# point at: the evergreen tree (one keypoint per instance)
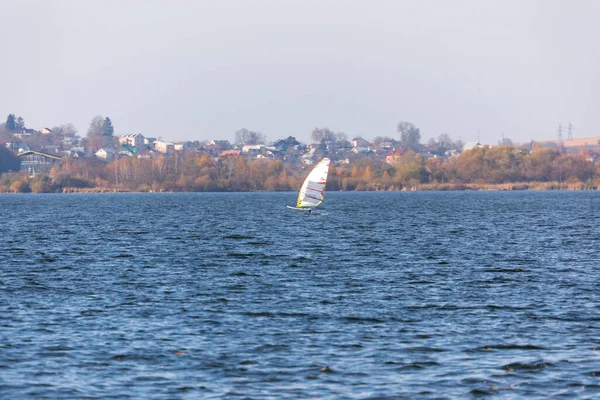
(20, 124)
(108, 127)
(11, 123)
(8, 160)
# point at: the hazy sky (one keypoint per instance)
(188, 70)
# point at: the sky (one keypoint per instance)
(201, 70)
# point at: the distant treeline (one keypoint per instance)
(486, 167)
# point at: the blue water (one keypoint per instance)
(381, 295)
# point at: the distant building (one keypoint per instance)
(179, 146)
(471, 145)
(224, 144)
(35, 162)
(23, 147)
(77, 152)
(393, 155)
(132, 140)
(253, 148)
(22, 135)
(360, 142)
(45, 131)
(105, 154)
(164, 147)
(360, 150)
(230, 153)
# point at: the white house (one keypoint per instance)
(471, 145)
(105, 154)
(132, 140)
(252, 148)
(164, 147)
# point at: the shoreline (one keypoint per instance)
(426, 187)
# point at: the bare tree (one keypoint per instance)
(66, 130)
(410, 136)
(380, 139)
(96, 127)
(323, 134)
(246, 136)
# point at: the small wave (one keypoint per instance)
(527, 367)
(362, 320)
(90, 312)
(238, 237)
(418, 365)
(505, 347)
(275, 314)
(424, 349)
(241, 255)
(124, 256)
(501, 270)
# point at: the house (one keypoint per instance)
(164, 147)
(53, 148)
(471, 145)
(45, 131)
(35, 162)
(224, 144)
(179, 146)
(106, 154)
(22, 135)
(388, 144)
(126, 153)
(253, 148)
(284, 144)
(132, 140)
(360, 150)
(360, 142)
(230, 153)
(23, 147)
(77, 152)
(392, 157)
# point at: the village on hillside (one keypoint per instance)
(43, 151)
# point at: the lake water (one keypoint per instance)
(381, 295)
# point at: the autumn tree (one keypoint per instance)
(410, 169)
(539, 164)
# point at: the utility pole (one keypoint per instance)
(560, 131)
(560, 152)
(560, 146)
(571, 129)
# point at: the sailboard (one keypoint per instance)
(312, 190)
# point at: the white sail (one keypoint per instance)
(313, 189)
